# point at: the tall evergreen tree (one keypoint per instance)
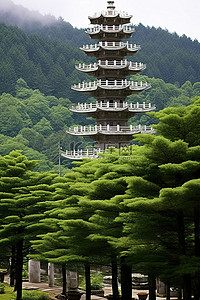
(23, 195)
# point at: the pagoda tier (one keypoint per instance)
(116, 130)
(112, 106)
(104, 50)
(79, 154)
(111, 68)
(107, 17)
(111, 111)
(114, 88)
(110, 32)
(107, 112)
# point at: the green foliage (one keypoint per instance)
(30, 118)
(8, 294)
(180, 123)
(33, 295)
(2, 288)
(96, 281)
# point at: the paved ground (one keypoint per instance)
(55, 290)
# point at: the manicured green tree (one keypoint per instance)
(67, 231)
(23, 196)
(180, 122)
(71, 216)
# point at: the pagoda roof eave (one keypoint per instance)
(130, 49)
(90, 49)
(136, 89)
(99, 109)
(107, 15)
(111, 130)
(124, 34)
(88, 70)
(98, 133)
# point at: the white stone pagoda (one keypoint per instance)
(111, 110)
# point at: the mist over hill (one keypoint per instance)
(13, 14)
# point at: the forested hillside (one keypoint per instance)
(168, 56)
(44, 63)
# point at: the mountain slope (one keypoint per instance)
(44, 63)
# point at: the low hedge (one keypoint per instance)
(33, 295)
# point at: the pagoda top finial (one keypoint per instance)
(111, 5)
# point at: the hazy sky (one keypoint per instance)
(180, 16)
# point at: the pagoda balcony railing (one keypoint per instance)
(110, 85)
(112, 106)
(109, 130)
(110, 29)
(80, 154)
(111, 46)
(111, 64)
(111, 13)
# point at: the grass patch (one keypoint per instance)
(33, 295)
(8, 292)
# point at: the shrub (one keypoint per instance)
(2, 288)
(33, 295)
(96, 281)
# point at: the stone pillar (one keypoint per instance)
(161, 288)
(72, 281)
(51, 274)
(34, 271)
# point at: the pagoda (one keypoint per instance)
(111, 110)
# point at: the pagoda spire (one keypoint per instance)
(111, 5)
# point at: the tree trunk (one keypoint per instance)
(196, 281)
(19, 267)
(179, 293)
(152, 287)
(126, 280)
(181, 232)
(87, 281)
(196, 286)
(196, 232)
(12, 267)
(187, 290)
(64, 280)
(168, 290)
(115, 280)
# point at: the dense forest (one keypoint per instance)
(37, 68)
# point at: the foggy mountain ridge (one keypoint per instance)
(17, 15)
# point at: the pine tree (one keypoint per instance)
(23, 195)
